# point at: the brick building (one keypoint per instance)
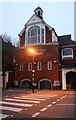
(53, 58)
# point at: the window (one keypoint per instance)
(30, 67)
(49, 65)
(39, 67)
(21, 67)
(34, 35)
(67, 52)
(42, 37)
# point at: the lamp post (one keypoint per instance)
(33, 71)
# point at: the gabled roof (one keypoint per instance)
(38, 8)
(39, 20)
(66, 40)
(34, 15)
(20, 34)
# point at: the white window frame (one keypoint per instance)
(67, 56)
(29, 66)
(30, 37)
(49, 63)
(39, 66)
(21, 67)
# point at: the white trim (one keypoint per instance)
(29, 66)
(49, 63)
(39, 66)
(21, 67)
(64, 72)
(42, 26)
(67, 56)
(54, 37)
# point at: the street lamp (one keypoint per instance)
(32, 51)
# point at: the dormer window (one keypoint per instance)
(34, 35)
(67, 53)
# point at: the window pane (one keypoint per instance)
(29, 66)
(43, 31)
(34, 35)
(21, 67)
(38, 39)
(42, 39)
(39, 66)
(49, 65)
(67, 52)
(38, 31)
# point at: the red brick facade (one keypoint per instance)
(48, 65)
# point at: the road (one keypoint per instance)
(46, 104)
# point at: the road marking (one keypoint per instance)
(16, 100)
(6, 96)
(10, 108)
(65, 104)
(53, 96)
(36, 114)
(53, 102)
(16, 104)
(41, 99)
(49, 105)
(3, 115)
(58, 100)
(43, 109)
(61, 98)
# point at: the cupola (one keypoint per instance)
(39, 12)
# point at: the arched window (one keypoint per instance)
(67, 53)
(34, 35)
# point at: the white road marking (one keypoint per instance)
(58, 100)
(65, 104)
(61, 98)
(43, 109)
(53, 102)
(6, 96)
(10, 108)
(16, 100)
(36, 114)
(53, 96)
(49, 105)
(41, 99)
(16, 104)
(3, 115)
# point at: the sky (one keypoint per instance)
(14, 15)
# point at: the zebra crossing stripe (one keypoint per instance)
(41, 99)
(10, 108)
(3, 115)
(16, 104)
(16, 100)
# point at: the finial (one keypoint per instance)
(38, 4)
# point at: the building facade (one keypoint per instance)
(44, 68)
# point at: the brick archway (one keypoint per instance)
(26, 84)
(45, 84)
(71, 80)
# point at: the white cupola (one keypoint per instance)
(39, 12)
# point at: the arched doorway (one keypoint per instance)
(26, 84)
(45, 84)
(71, 80)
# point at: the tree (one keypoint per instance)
(8, 53)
